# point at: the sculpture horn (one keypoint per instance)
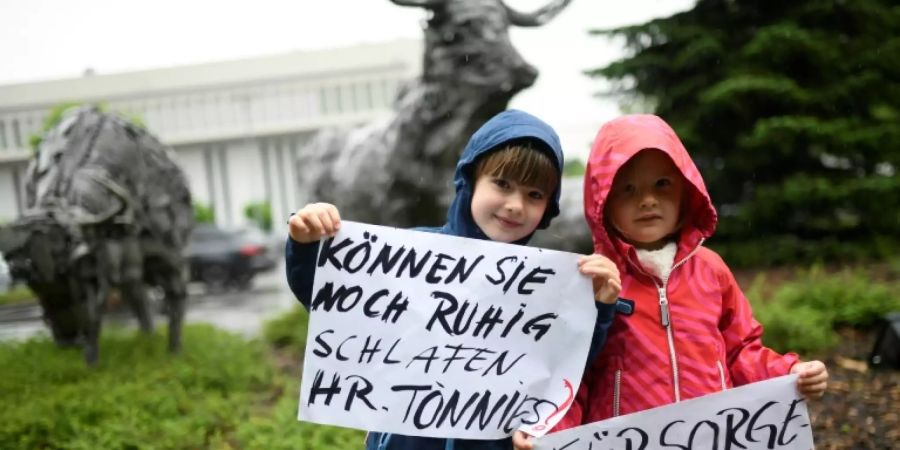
(419, 3)
(536, 18)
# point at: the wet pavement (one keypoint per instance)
(242, 312)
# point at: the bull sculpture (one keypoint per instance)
(399, 172)
(107, 209)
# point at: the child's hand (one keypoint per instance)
(314, 221)
(813, 378)
(522, 441)
(605, 275)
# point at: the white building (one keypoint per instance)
(236, 126)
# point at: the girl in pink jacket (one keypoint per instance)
(688, 329)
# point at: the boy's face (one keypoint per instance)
(644, 203)
(505, 210)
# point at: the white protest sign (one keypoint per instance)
(765, 415)
(433, 335)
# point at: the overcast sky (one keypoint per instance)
(49, 39)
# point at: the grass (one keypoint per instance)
(16, 295)
(221, 392)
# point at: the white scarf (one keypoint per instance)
(659, 262)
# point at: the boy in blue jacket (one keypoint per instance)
(507, 186)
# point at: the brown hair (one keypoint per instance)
(523, 162)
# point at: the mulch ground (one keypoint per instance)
(861, 409)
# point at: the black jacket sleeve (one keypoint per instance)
(605, 315)
(300, 265)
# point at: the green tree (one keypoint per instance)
(791, 111)
(259, 213)
(573, 167)
(54, 115)
(204, 213)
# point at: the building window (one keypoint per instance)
(186, 114)
(218, 111)
(172, 114)
(377, 94)
(150, 117)
(390, 90)
(351, 95)
(323, 101)
(338, 99)
(17, 133)
(305, 103)
(367, 95)
(3, 142)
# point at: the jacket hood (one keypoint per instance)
(618, 141)
(504, 127)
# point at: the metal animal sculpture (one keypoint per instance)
(107, 209)
(399, 172)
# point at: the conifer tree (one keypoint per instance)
(791, 109)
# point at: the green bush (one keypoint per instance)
(259, 213)
(791, 328)
(573, 167)
(801, 315)
(54, 116)
(204, 213)
(56, 112)
(279, 428)
(288, 331)
(788, 250)
(850, 297)
(893, 266)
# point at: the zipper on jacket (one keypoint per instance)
(617, 392)
(721, 374)
(671, 341)
(663, 307)
(665, 317)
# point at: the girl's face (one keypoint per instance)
(644, 203)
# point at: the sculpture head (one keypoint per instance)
(37, 247)
(468, 41)
(38, 250)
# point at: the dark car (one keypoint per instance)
(223, 259)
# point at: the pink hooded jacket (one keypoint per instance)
(710, 341)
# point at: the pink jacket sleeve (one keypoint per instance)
(748, 360)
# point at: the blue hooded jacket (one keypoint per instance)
(507, 126)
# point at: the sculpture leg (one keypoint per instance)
(176, 299)
(136, 296)
(166, 269)
(64, 327)
(94, 279)
(60, 312)
(92, 305)
(133, 289)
